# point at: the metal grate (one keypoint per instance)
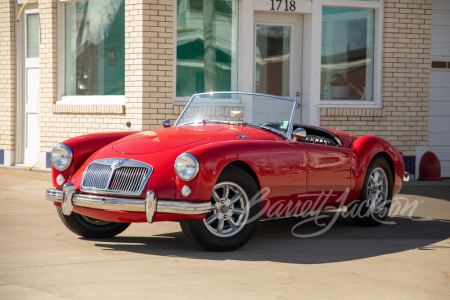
(97, 176)
(128, 179)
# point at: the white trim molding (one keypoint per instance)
(22, 2)
(87, 109)
(90, 100)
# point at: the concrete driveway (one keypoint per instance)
(41, 259)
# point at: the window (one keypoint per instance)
(207, 34)
(347, 63)
(272, 73)
(32, 35)
(94, 48)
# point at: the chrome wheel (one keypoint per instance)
(373, 204)
(229, 209)
(377, 190)
(232, 221)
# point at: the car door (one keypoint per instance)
(281, 169)
(329, 173)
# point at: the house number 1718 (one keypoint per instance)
(286, 5)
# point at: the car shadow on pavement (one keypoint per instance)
(275, 241)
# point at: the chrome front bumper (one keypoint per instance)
(150, 205)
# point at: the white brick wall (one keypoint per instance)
(149, 42)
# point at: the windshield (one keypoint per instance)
(252, 109)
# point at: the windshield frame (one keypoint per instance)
(287, 136)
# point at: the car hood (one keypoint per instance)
(180, 136)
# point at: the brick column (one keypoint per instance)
(149, 59)
(406, 71)
(7, 82)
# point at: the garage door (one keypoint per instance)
(439, 120)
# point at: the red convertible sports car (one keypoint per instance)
(230, 160)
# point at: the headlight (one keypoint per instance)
(186, 166)
(61, 157)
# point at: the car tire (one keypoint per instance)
(89, 227)
(234, 216)
(375, 199)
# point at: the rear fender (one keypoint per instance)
(366, 148)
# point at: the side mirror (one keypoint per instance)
(166, 123)
(299, 133)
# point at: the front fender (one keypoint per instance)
(279, 165)
(83, 147)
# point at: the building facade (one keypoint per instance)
(77, 67)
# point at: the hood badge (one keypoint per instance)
(117, 163)
(243, 137)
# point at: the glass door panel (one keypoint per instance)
(273, 60)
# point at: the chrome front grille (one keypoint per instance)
(97, 176)
(128, 179)
(116, 176)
